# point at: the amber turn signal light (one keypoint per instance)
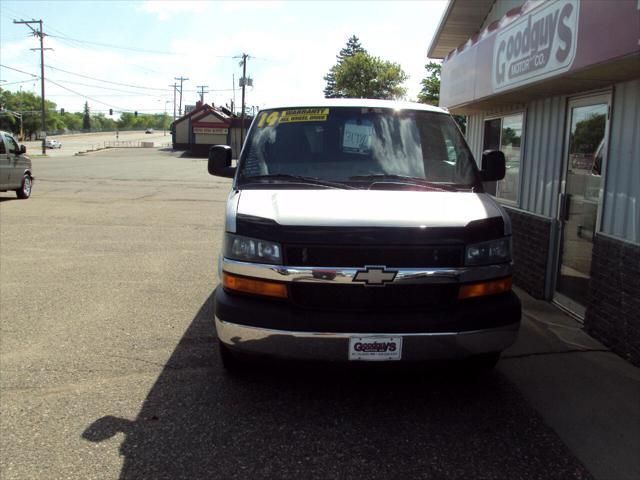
(254, 286)
(484, 288)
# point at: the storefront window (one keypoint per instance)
(505, 134)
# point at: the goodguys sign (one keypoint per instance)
(538, 45)
(545, 41)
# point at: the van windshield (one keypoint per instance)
(357, 147)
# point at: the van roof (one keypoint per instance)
(358, 102)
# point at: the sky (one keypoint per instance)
(142, 46)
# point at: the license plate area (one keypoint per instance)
(375, 348)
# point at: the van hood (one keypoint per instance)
(368, 208)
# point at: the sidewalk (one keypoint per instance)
(588, 395)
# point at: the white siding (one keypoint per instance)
(475, 136)
(621, 213)
(541, 167)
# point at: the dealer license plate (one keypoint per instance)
(375, 348)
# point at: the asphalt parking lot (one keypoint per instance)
(109, 365)
(86, 141)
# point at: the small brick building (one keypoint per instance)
(205, 126)
(555, 85)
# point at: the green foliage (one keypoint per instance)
(86, 118)
(30, 106)
(588, 134)
(353, 46)
(364, 76)
(430, 92)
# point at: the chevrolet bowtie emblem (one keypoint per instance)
(375, 276)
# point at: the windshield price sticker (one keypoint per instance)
(357, 138)
(292, 116)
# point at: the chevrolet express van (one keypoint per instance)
(359, 230)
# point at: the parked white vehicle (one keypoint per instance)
(50, 143)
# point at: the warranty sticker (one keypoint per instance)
(292, 116)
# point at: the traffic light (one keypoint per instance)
(135, 114)
(111, 111)
(62, 111)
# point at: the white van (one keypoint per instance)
(359, 230)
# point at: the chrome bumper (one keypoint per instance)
(334, 346)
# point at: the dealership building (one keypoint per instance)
(555, 85)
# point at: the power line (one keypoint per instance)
(101, 87)
(107, 81)
(120, 47)
(20, 71)
(86, 96)
(15, 83)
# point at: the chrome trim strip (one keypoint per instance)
(345, 275)
(333, 346)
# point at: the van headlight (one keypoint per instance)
(494, 251)
(247, 249)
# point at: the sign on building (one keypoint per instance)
(538, 45)
(211, 131)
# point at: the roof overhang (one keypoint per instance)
(461, 20)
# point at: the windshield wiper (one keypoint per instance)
(299, 179)
(406, 180)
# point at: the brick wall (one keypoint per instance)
(613, 313)
(531, 235)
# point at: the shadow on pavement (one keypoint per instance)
(301, 421)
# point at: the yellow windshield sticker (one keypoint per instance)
(304, 115)
(291, 116)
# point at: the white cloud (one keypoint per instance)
(164, 10)
(291, 52)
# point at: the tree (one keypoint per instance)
(353, 46)
(430, 92)
(86, 119)
(364, 76)
(29, 105)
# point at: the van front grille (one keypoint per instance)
(361, 255)
(358, 297)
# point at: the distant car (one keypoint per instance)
(52, 144)
(15, 167)
(149, 130)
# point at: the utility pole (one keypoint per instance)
(182, 79)
(243, 84)
(202, 92)
(39, 33)
(174, 100)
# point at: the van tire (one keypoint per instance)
(24, 191)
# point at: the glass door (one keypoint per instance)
(580, 199)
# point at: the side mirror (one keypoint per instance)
(23, 149)
(220, 161)
(493, 166)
